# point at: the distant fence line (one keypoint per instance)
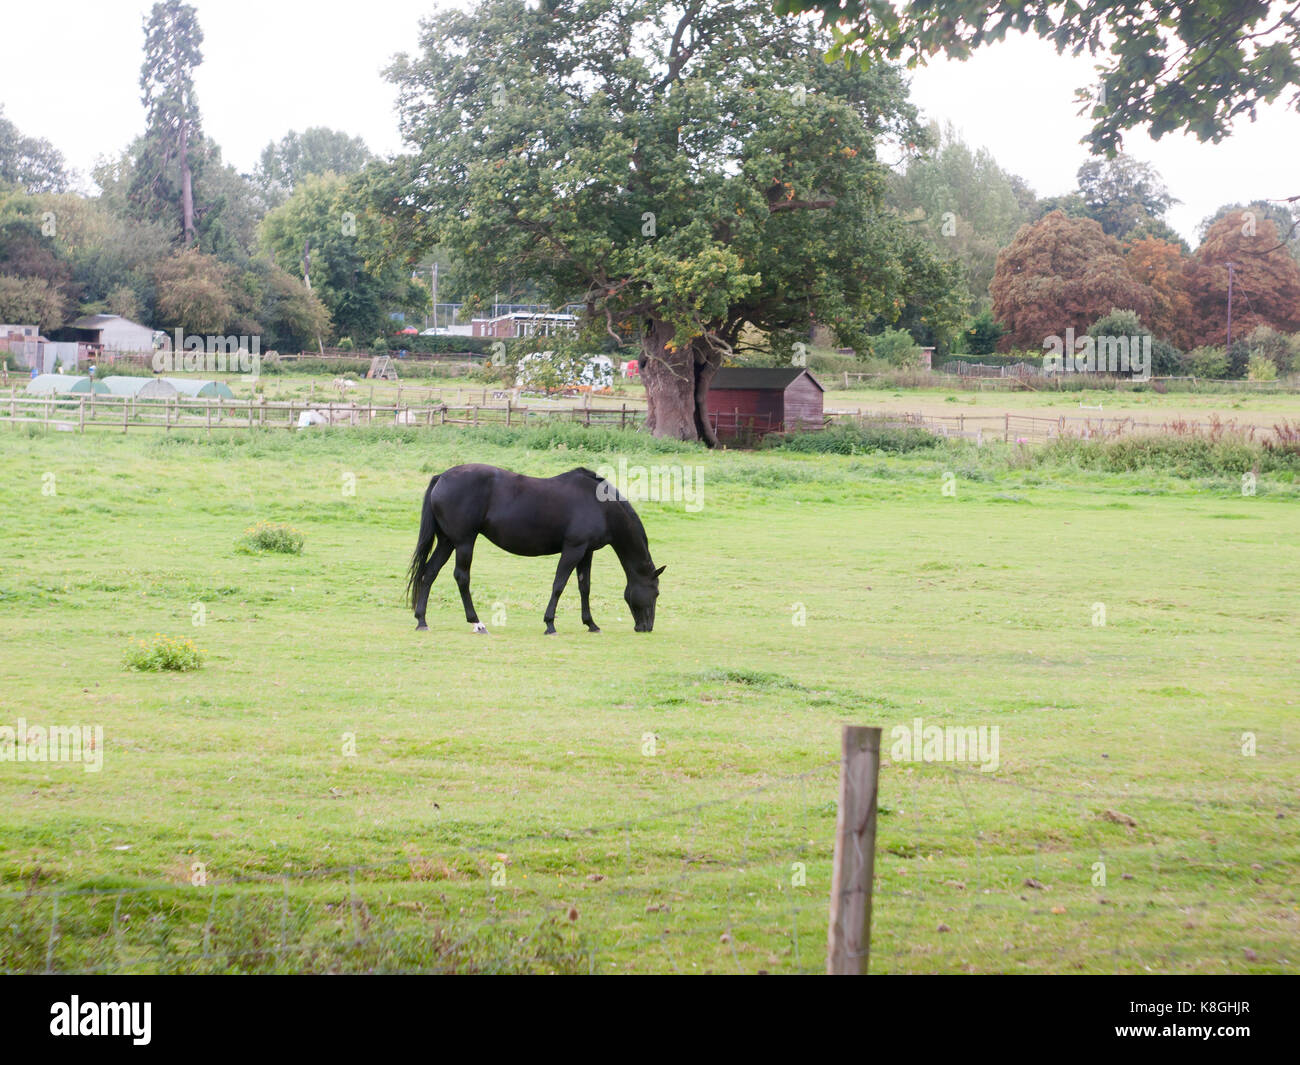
(77, 413)
(1027, 428)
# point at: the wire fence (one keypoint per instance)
(1032, 429)
(77, 413)
(974, 872)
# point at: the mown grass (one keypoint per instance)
(333, 792)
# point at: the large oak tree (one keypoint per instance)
(686, 169)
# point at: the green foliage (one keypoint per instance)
(896, 347)
(1181, 454)
(268, 537)
(328, 221)
(311, 153)
(1207, 361)
(32, 301)
(852, 438)
(1183, 66)
(967, 206)
(170, 156)
(1118, 323)
(982, 333)
(1279, 348)
(164, 654)
(1123, 193)
(31, 163)
(690, 193)
(1261, 369)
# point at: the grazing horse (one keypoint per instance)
(572, 515)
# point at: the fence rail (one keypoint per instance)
(1027, 429)
(68, 413)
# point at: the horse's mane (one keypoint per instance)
(634, 519)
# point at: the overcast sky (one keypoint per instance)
(71, 71)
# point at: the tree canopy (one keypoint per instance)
(1192, 65)
(31, 163)
(315, 151)
(686, 170)
(1063, 273)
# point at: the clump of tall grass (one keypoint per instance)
(268, 537)
(856, 438)
(1181, 449)
(164, 654)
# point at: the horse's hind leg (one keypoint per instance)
(584, 590)
(441, 552)
(464, 556)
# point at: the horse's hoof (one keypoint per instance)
(421, 627)
(479, 629)
(593, 628)
(550, 630)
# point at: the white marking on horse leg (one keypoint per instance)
(479, 628)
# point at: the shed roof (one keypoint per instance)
(759, 378)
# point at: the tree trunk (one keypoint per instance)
(707, 362)
(187, 186)
(669, 377)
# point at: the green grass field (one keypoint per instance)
(629, 802)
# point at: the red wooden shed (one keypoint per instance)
(753, 401)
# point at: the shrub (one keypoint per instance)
(851, 438)
(982, 334)
(1281, 350)
(896, 347)
(1166, 360)
(271, 538)
(1207, 361)
(1118, 323)
(346, 344)
(1260, 368)
(163, 653)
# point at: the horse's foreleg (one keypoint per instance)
(441, 552)
(464, 556)
(568, 560)
(584, 589)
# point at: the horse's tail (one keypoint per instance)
(424, 545)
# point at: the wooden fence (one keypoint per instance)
(1033, 429)
(123, 413)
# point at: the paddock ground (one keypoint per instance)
(629, 802)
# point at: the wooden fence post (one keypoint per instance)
(1006, 427)
(848, 944)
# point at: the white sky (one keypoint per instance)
(71, 70)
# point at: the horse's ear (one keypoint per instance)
(659, 571)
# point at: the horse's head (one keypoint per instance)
(640, 595)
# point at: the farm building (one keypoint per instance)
(48, 384)
(141, 387)
(100, 333)
(197, 389)
(755, 401)
(524, 324)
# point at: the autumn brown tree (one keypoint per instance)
(1062, 273)
(1265, 279)
(1162, 266)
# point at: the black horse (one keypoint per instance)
(572, 515)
